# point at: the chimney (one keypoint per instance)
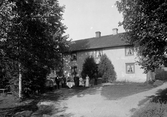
(115, 31)
(98, 34)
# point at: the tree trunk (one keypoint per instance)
(150, 76)
(20, 82)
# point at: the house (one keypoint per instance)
(122, 55)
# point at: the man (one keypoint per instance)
(57, 82)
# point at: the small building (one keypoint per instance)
(122, 54)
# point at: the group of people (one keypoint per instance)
(70, 82)
(60, 82)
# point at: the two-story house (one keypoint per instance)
(122, 55)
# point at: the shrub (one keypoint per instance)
(106, 69)
(152, 110)
(162, 75)
(89, 68)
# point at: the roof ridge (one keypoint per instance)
(98, 42)
(98, 37)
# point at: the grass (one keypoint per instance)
(157, 107)
(9, 105)
(119, 90)
(152, 109)
(7, 101)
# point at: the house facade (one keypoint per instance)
(122, 55)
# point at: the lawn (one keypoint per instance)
(9, 105)
(157, 106)
(6, 103)
(119, 90)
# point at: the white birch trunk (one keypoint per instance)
(20, 82)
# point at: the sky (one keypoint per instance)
(85, 17)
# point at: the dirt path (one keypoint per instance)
(96, 105)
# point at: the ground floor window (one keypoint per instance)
(130, 68)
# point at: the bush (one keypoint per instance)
(152, 110)
(106, 70)
(162, 75)
(89, 68)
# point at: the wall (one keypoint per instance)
(118, 59)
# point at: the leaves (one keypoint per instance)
(146, 26)
(32, 34)
(89, 68)
(106, 69)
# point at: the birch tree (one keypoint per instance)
(32, 35)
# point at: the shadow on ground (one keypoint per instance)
(30, 106)
(66, 93)
(120, 90)
(160, 96)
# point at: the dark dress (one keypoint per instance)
(57, 82)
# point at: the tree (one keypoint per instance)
(146, 24)
(106, 69)
(89, 68)
(32, 37)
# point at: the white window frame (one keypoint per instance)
(132, 66)
(127, 49)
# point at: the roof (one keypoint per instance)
(99, 42)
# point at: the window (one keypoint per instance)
(100, 53)
(97, 53)
(129, 51)
(73, 57)
(130, 68)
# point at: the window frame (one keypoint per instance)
(74, 57)
(97, 53)
(127, 48)
(126, 68)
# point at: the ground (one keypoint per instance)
(107, 100)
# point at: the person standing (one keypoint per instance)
(81, 82)
(87, 81)
(58, 82)
(63, 81)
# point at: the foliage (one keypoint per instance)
(9, 75)
(161, 75)
(156, 107)
(89, 68)
(106, 69)
(152, 110)
(146, 24)
(31, 34)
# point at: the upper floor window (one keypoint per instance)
(73, 57)
(130, 68)
(97, 53)
(129, 51)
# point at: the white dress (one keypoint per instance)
(87, 81)
(80, 82)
